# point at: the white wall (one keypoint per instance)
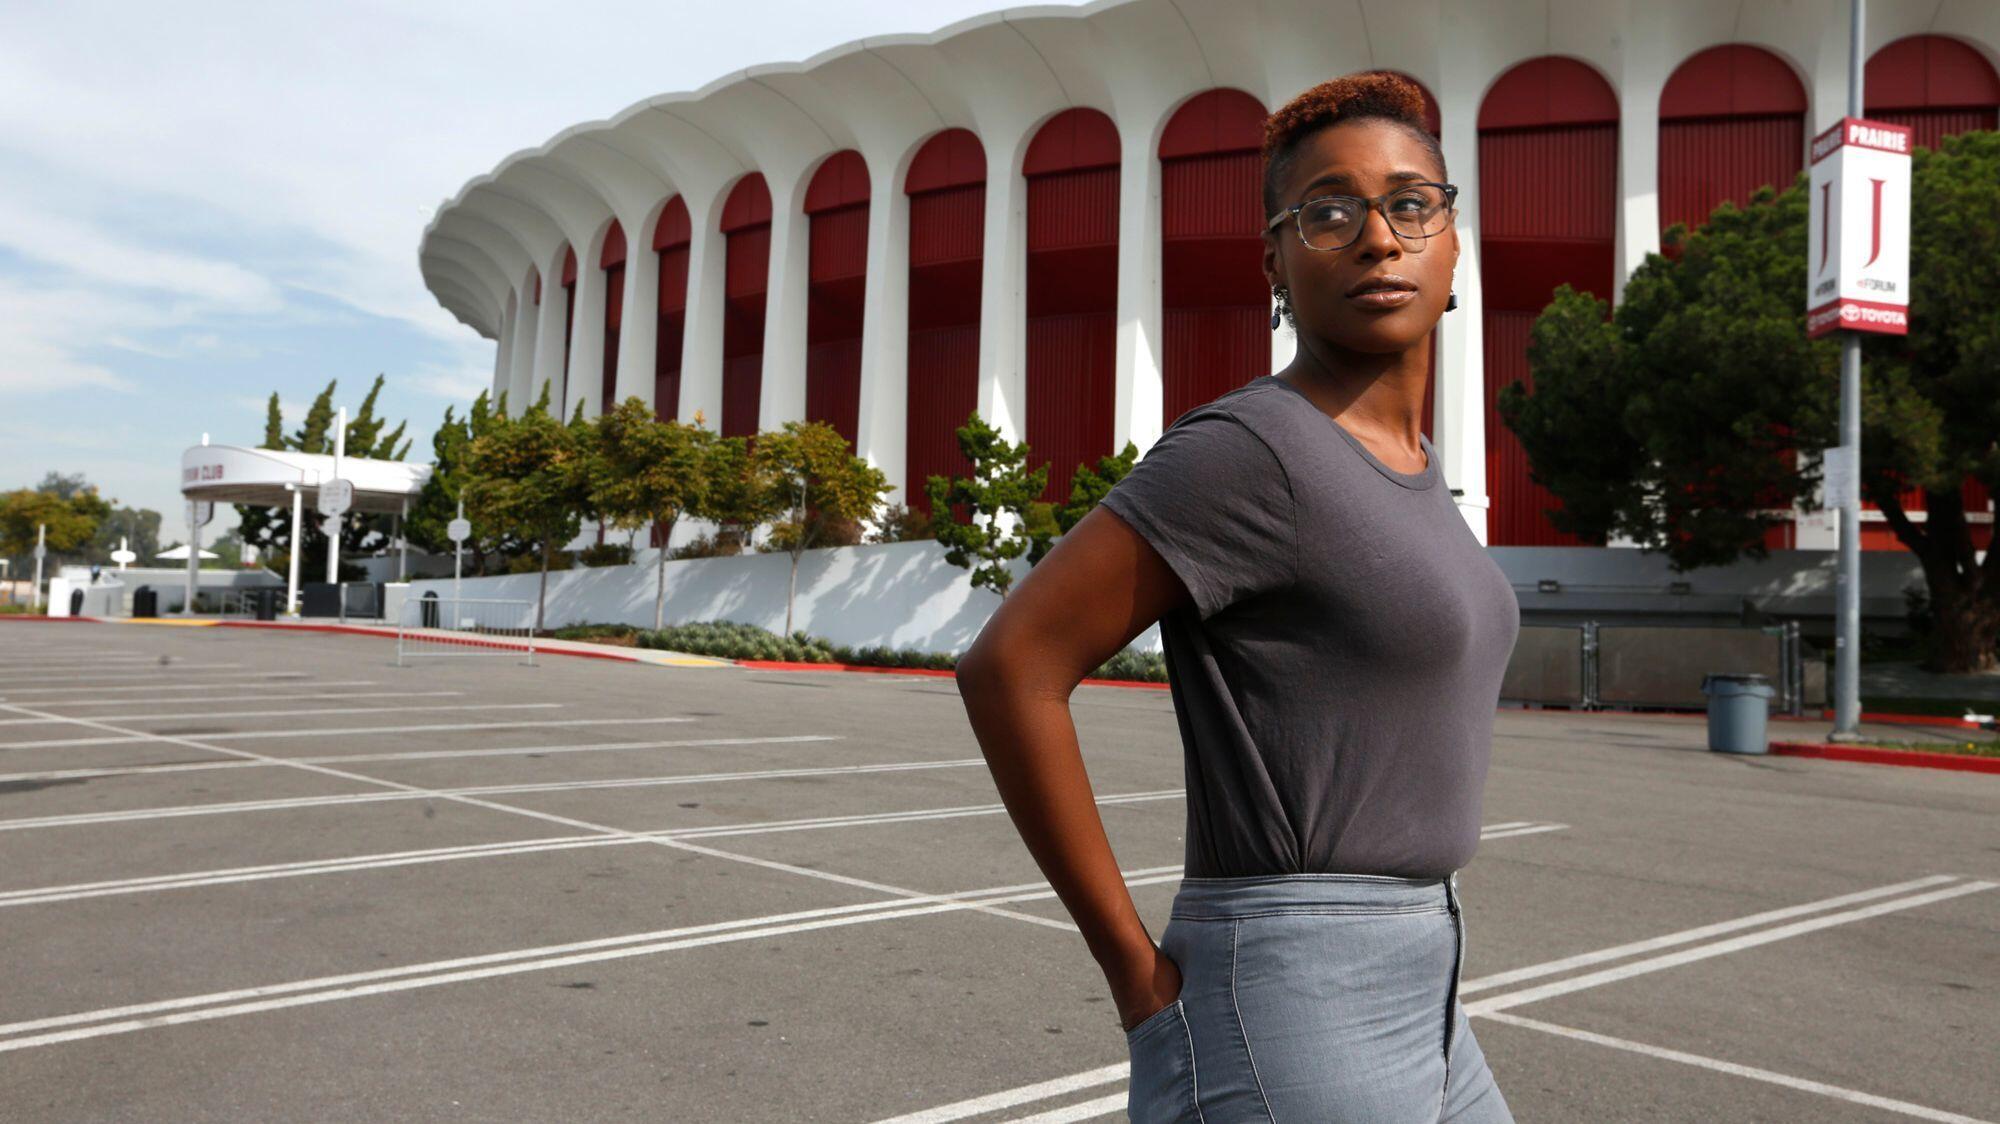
(905, 595)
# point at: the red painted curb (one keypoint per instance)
(43, 618)
(1912, 758)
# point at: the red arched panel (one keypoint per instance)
(746, 224)
(614, 247)
(1936, 85)
(1548, 176)
(1072, 140)
(559, 400)
(837, 264)
(569, 265)
(1732, 119)
(947, 190)
(671, 239)
(1215, 306)
(1214, 121)
(952, 158)
(1072, 293)
(1548, 91)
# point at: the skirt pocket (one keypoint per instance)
(1162, 1089)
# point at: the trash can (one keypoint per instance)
(430, 608)
(1739, 704)
(266, 603)
(75, 602)
(145, 602)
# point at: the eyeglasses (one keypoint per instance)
(1414, 213)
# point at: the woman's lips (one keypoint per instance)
(1383, 299)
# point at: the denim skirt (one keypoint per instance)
(1313, 999)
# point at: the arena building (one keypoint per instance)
(1053, 215)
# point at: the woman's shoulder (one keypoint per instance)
(1259, 406)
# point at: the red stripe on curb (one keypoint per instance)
(1916, 758)
(43, 618)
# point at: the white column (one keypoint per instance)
(701, 338)
(549, 342)
(1003, 297)
(503, 349)
(1638, 162)
(639, 326)
(782, 394)
(586, 342)
(1139, 396)
(297, 544)
(882, 423)
(1460, 395)
(521, 372)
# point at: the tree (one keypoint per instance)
(999, 483)
(72, 522)
(649, 471)
(270, 528)
(529, 477)
(1087, 485)
(437, 505)
(1685, 421)
(741, 494)
(822, 482)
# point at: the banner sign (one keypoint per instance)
(1858, 244)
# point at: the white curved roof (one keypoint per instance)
(267, 477)
(1001, 73)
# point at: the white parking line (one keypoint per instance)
(291, 803)
(1854, 1096)
(142, 1016)
(41, 691)
(1716, 948)
(340, 731)
(407, 755)
(206, 715)
(155, 671)
(1084, 1110)
(1027, 1094)
(46, 894)
(208, 699)
(1699, 932)
(14, 696)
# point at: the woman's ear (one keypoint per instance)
(1274, 263)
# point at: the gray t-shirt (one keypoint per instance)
(1336, 676)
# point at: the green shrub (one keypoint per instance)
(606, 554)
(731, 640)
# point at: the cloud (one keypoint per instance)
(45, 331)
(86, 251)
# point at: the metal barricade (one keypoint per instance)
(431, 625)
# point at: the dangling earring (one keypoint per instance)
(1284, 299)
(1451, 302)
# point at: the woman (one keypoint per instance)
(1335, 636)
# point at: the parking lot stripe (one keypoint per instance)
(154, 671)
(116, 1020)
(340, 731)
(207, 699)
(1803, 1084)
(1699, 932)
(406, 755)
(1717, 948)
(1026, 1094)
(1083, 1110)
(41, 691)
(206, 714)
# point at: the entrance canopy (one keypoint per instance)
(268, 477)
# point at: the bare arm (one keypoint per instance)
(1100, 586)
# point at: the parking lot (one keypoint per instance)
(267, 875)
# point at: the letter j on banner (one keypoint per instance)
(1858, 244)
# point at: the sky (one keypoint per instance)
(203, 203)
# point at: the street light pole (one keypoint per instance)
(1847, 624)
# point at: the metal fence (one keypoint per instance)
(1592, 666)
(431, 625)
